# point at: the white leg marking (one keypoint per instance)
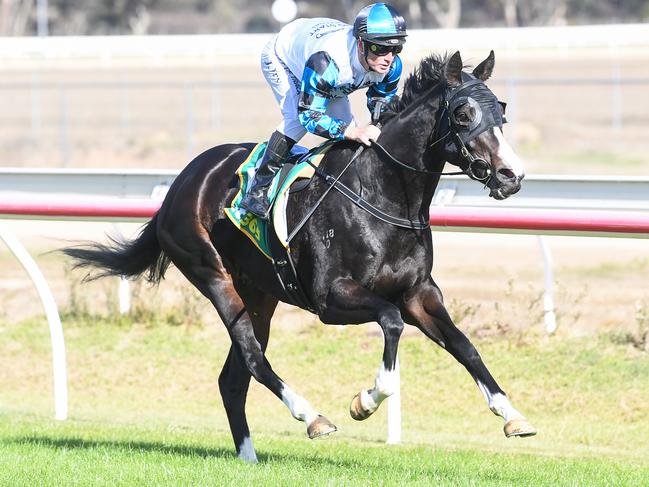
(385, 384)
(299, 407)
(507, 154)
(247, 451)
(499, 404)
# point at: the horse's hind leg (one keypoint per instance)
(423, 307)
(246, 344)
(199, 261)
(235, 377)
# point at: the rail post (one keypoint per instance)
(53, 319)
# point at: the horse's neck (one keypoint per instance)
(407, 138)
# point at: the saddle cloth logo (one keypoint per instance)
(256, 229)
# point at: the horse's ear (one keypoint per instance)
(485, 68)
(454, 70)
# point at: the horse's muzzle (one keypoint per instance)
(503, 185)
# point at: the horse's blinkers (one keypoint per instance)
(489, 113)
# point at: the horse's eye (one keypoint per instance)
(462, 118)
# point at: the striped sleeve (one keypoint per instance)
(387, 88)
(319, 79)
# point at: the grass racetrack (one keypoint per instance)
(145, 409)
(90, 454)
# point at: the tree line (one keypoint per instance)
(82, 17)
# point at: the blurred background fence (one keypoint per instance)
(576, 96)
(55, 114)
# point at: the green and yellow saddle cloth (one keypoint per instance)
(299, 165)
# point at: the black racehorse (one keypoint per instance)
(366, 270)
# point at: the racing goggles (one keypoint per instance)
(381, 50)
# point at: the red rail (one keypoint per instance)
(541, 220)
(633, 224)
(105, 208)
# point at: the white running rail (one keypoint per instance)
(52, 313)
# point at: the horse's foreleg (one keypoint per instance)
(424, 308)
(351, 302)
(367, 401)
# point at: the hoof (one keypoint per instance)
(520, 427)
(356, 409)
(320, 426)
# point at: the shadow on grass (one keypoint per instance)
(141, 446)
(168, 449)
(305, 459)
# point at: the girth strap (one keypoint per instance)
(286, 272)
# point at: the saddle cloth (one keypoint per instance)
(298, 166)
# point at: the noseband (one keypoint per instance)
(470, 164)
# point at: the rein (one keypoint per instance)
(352, 196)
(318, 171)
(471, 162)
(414, 169)
(469, 159)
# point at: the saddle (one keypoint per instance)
(271, 236)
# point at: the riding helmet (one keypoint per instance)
(380, 23)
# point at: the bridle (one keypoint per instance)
(471, 163)
(474, 167)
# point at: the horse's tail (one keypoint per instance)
(126, 258)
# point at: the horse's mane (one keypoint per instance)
(429, 73)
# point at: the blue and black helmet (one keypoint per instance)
(380, 23)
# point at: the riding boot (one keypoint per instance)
(256, 198)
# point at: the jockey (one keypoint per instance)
(312, 65)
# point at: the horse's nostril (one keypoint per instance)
(506, 174)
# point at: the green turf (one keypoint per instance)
(145, 410)
(35, 451)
